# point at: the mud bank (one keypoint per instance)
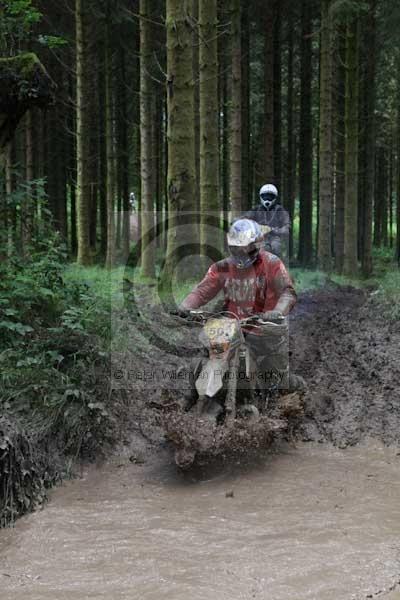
(349, 354)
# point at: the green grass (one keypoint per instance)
(108, 287)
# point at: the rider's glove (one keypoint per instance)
(272, 315)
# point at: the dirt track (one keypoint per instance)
(349, 354)
(347, 351)
(310, 521)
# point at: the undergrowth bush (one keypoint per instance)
(54, 374)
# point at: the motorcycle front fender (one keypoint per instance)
(211, 378)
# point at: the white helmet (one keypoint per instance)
(268, 195)
(244, 240)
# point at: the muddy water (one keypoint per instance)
(311, 523)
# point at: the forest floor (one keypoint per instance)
(348, 350)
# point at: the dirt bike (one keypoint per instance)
(276, 246)
(231, 410)
(230, 361)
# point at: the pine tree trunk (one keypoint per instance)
(383, 188)
(277, 93)
(340, 150)
(398, 163)
(102, 162)
(209, 143)
(224, 109)
(27, 211)
(196, 79)
(391, 158)
(146, 151)
(291, 163)
(379, 166)
(124, 156)
(71, 169)
(9, 181)
(110, 151)
(83, 99)
(325, 142)
(181, 141)
(95, 140)
(246, 129)
(268, 168)
(61, 160)
(306, 139)
(350, 266)
(236, 111)
(158, 139)
(366, 259)
(316, 189)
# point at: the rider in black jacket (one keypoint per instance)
(269, 212)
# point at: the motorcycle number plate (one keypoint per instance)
(211, 378)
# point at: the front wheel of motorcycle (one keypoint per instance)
(231, 393)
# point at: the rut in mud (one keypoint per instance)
(349, 354)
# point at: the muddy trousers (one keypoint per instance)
(271, 351)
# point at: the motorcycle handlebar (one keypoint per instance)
(255, 319)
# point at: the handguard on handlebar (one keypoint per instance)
(259, 320)
(200, 316)
(189, 317)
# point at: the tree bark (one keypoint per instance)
(291, 162)
(277, 93)
(9, 216)
(306, 138)
(146, 151)
(27, 212)
(383, 189)
(196, 79)
(83, 98)
(209, 142)
(398, 162)
(325, 142)
(181, 141)
(340, 150)
(124, 155)
(224, 130)
(366, 259)
(378, 195)
(391, 158)
(268, 168)
(246, 128)
(236, 110)
(350, 266)
(110, 150)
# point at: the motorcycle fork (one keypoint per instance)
(251, 371)
(230, 401)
